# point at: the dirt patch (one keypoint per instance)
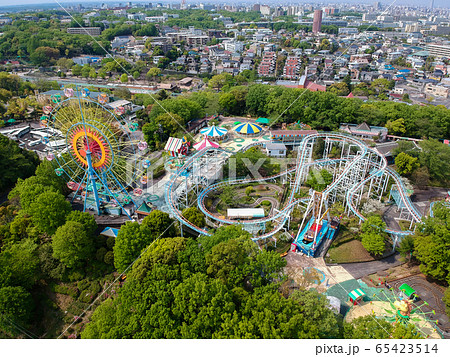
(63, 301)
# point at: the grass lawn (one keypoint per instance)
(404, 225)
(349, 252)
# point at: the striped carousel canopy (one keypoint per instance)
(214, 131)
(205, 143)
(247, 128)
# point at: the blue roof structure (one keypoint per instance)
(214, 131)
(110, 232)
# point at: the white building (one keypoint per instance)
(233, 46)
(276, 149)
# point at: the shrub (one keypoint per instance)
(89, 294)
(109, 258)
(110, 242)
(72, 291)
(100, 255)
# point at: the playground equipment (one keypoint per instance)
(94, 152)
(357, 171)
(405, 310)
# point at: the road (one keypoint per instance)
(134, 88)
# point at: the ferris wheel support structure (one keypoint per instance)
(90, 171)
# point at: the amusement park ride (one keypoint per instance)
(358, 172)
(95, 152)
(104, 165)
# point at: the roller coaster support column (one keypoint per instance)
(386, 182)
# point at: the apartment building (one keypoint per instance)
(291, 68)
(439, 50)
(93, 31)
(267, 65)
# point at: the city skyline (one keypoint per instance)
(418, 3)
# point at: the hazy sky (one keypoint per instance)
(437, 3)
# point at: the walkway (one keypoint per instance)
(358, 270)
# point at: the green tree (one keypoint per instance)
(86, 219)
(65, 63)
(29, 190)
(249, 190)
(16, 306)
(431, 242)
(228, 195)
(124, 78)
(252, 162)
(406, 164)
(435, 156)
(340, 89)
(406, 247)
(159, 129)
(45, 174)
(85, 71)
(72, 245)
(44, 56)
(153, 73)
(319, 180)
(257, 98)
(371, 327)
(16, 163)
(396, 127)
(92, 73)
(195, 216)
(76, 70)
(316, 307)
(227, 102)
(160, 224)
(19, 264)
(220, 80)
(49, 211)
(130, 241)
(229, 261)
(102, 73)
(373, 236)
(447, 301)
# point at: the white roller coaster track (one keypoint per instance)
(377, 167)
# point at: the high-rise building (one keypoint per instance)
(317, 22)
(432, 5)
(264, 9)
(256, 7)
(377, 5)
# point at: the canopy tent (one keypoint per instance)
(174, 146)
(144, 209)
(356, 295)
(407, 290)
(11, 121)
(247, 128)
(263, 121)
(110, 232)
(205, 143)
(214, 131)
(236, 123)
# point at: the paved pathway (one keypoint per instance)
(358, 270)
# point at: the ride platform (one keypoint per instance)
(305, 242)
